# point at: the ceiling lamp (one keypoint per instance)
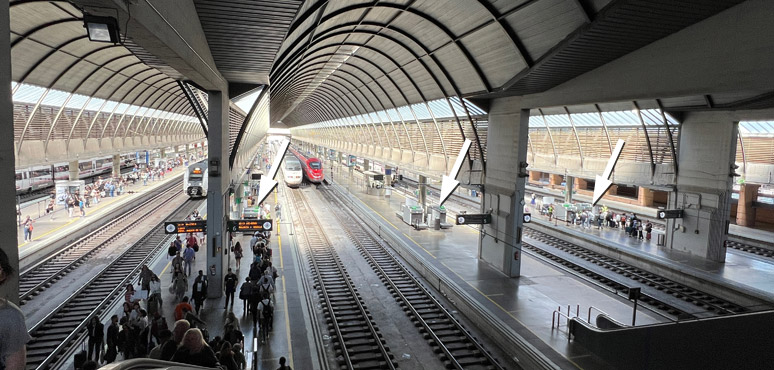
(101, 29)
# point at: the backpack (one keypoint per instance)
(172, 249)
(196, 247)
(267, 310)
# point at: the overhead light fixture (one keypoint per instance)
(101, 29)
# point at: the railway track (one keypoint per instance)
(660, 293)
(456, 346)
(359, 344)
(44, 274)
(55, 334)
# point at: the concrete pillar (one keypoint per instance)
(217, 194)
(500, 244)
(745, 213)
(534, 176)
(707, 151)
(10, 288)
(74, 170)
(645, 197)
(366, 164)
(555, 180)
(568, 188)
(116, 165)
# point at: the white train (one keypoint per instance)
(41, 177)
(292, 172)
(195, 180)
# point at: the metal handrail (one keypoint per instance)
(598, 310)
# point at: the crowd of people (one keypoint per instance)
(142, 329)
(605, 218)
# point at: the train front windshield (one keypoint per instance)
(315, 165)
(293, 166)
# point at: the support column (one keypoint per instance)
(745, 213)
(645, 197)
(613, 190)
(116, 165)
(217, 194)
(568, 188)
(10, 288)
(500, 243)
(74, 170)
(704, 185)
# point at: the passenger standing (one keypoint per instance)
(648, 230)
(96, 333)
(145, 278)
(277, 210)
(180, 286)
(226, 357)
(155, 303)
(230, 282)
(189, 256)
(244, 294)
(199, 293)
(282, 364)
(183, 305)
(112, 340)
(266, 314)
(177, 264)
(195, 351)
(13, 330)
(168, 349)
(28, 229)
(238, 252)
(81, 206)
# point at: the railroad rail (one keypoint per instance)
(55, 334)
(45, 273)
(359, 342)
(684, 302)
(456, 346)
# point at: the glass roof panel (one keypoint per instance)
(29, 94)
(752, 128)
(586, 119)
(421, 111)
(95, 104)
(558, 120)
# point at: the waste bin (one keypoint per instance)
(661, 239)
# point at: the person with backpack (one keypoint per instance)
(230, 282)
(255, 298)
(266, 314)
(199, 293)
(244, 294)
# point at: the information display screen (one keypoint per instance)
(250, 225)
(182, 227)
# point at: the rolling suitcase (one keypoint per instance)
(80, 357)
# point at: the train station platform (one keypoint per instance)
(519, 308)
(58, 225)
(744, 272)
(290, 336)
(759, 235)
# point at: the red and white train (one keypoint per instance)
(312, 167)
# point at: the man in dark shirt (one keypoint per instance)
(230, 282)
(112, 340)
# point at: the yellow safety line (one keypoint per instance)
(284, 291)
(165, 269)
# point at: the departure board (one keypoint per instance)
(182, 227)
(251, 225)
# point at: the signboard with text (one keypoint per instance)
(182, 227)
(250, 225)
(474, 218)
